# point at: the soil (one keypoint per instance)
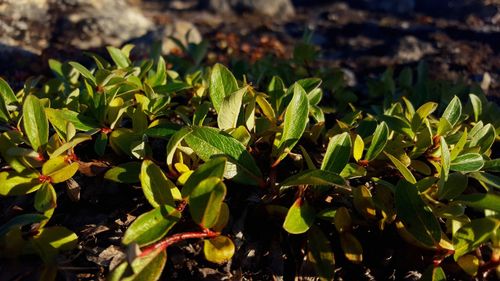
(462, 44)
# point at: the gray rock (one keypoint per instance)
(94, 23)
(412, 49)
(25, 21)
(34, 24)
(183, 31)
(274, 8)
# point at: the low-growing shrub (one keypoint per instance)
(410, 154)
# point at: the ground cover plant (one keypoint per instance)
(323, 164)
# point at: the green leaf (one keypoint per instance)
(492, 165)
(473, 234)
(433, 273)
(35, 122)
(50, 241)
(402, 169)
(147, 268)
(337, 153)
(209, 142)
(358, 148)
(353, 250)
(379, 140)
(469, 264)
(230, 109)
(469, 162)
(416, 215)
(19, 221)
(342, 220)
(157, 188)
(453, 187)
(205, 201)
(59, 170)
(445, 160)
(481, 201)
(477, 106)
(151, 226)
(486, 179)
(117, 55)
(484, 138)
(83, 71)
(319, 252)
(212, 168)
(295, 122)
(45, 198)
(314, 177)
(6, 92)
(124, 173)
(219, 249)
(60, 117)
(459, 146)
(453, 111)
(13, 183)
(222, 84)
(172, 144)
(422, 113)
(300, 217)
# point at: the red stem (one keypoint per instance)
(176, 238)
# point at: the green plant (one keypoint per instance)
(396, 158)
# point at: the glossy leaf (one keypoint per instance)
(337, 153)
(59, 170)
(149, 267)
(35, 122)
(453, 187)
(230, 109)
(469, 264)
(50, 241)
(358, 148)
(212, 168)
(6, 93)
(124, 173)
(205, 201)
(482, 201)
(402, 169)
(422, 112)
(13, 183)
(313, 177)
(299, 218)
(45, 198)
(477, 107)
(469, 162)
(379, 140)
(208, 142)
(157, 188)
(453, 111)
(151, 226)
(473, 234)
(219, 249)
(120, 59)
(222, 84)
(433, 273)
(416, 215)
(295, 122)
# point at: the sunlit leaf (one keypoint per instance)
(219, 249)
(337, 153)
(299, 218)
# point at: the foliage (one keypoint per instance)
(416, 155)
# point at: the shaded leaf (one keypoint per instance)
(473, 234)
(416, 215)
(124, 173)
(320, 253)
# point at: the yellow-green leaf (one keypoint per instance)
(157, 188)
(205, 201)
(219, 249)
(299, 218)
(35, 122)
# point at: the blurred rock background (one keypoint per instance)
(459, 38)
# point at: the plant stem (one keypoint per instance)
(176, 238)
